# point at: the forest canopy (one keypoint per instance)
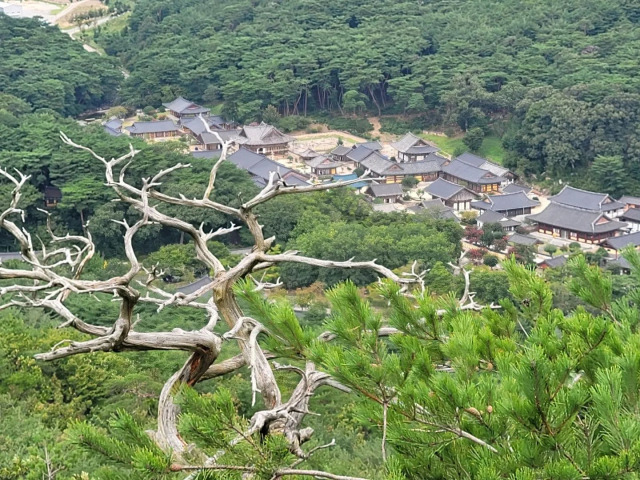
(301, 55)
(47, 69)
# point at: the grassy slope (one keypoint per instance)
(491, 146)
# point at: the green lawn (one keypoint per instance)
(491, 146)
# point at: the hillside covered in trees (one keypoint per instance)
(46, 68)
(556, 81)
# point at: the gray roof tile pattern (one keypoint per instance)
(113, 124)
(618, 243)
(359, 153)
(471, 159)
(376, 162)
(323, 161)
(410, 141)
(523, 239)
(490, 217)
(631, 215)
(483, 163)
(260, 167)
(619, 262)
(421, 167)
(340, 150)
(196, 125)
(508, 201)
(183, 106)
(262, 134)
(226, 135)
(370, 145)
(437, 206)
(593, 201)
(422, 149)
(576, 219)
(470, 173)
(555, 262)
(629, 200)
(153, 127)
(441, 188)
(386, 190)
(513, 188)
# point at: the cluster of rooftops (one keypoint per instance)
(460, 183)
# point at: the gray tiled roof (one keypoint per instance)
(340, 150)
(411, 141)
(437, 206)
(441, 188)
(376, 162)
(226, 135)
(631, 215)
(508, 201)
(359, 153)
(513, 188)
(555, 262)
(322, 161)
(627, 199)
(471, 159)
(307, 153)
(370, 145)
(576, 219)
(260, 167)
(184, 106)
(523, 239)
(618, 243)
(422, 149)
(490, 217)
(482, 163)
(386, 190)
(470, 173)
(245, 158)
(196, 125)
(421, 167)
(575, 197)
(113, 124)
(153, 127)
(262, 134)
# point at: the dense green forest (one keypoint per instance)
(47, 69)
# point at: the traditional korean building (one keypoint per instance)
(592, 201)
(113, 127)
(632, 217)
(411, 148)
(453, 195)
(435, 208)
(507, 224)
(576, 224)
(387, 192)
(154, 130)
(630, 202)
(323, 165)
(183, 108)
(340, 153)
(212, 140)
(615, 244)
(261, 167)
(264, 139)
(52, 196)
(474, 178)
(484, 164)
(509, 204)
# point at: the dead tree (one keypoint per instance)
(44, 285)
